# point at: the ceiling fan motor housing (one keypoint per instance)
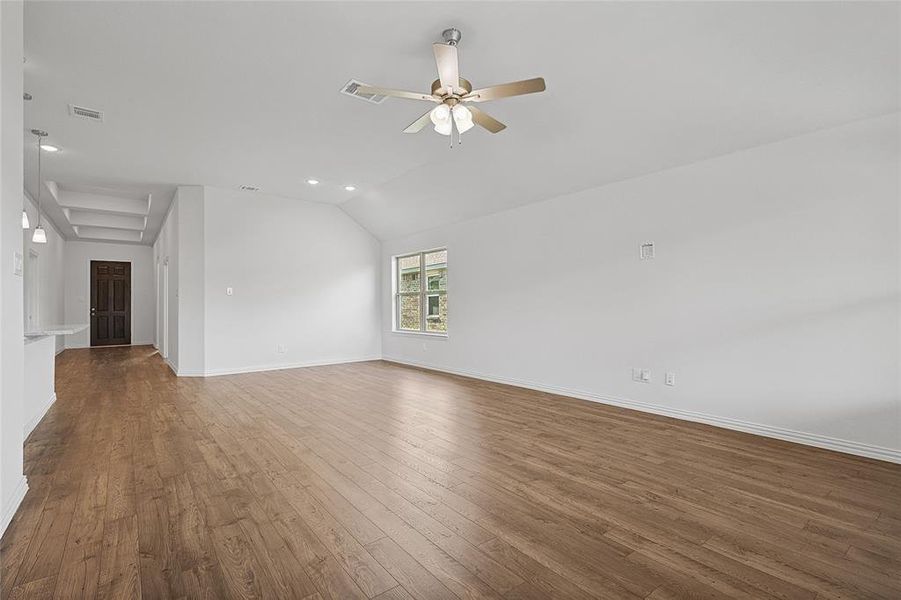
(464, 84)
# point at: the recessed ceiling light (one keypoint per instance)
(350, 188)
(313, 181)
(49, 148)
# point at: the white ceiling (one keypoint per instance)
(226, 94)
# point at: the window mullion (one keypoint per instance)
(422, 285)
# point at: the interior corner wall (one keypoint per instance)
(165, 262)
(773, 297)
(51, 272)
(78, 284)
(13, 484)
(305, 281)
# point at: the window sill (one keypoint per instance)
(420, 333)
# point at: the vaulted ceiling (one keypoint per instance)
(231, 94)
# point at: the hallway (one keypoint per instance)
(376, 480)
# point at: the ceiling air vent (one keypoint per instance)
(250, 188)
(351, 88)
(86, 113)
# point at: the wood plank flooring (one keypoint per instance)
(374, 480)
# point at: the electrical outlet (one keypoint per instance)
(636, 374)
(670, 378)
(281, 348)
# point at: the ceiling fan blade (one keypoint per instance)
(485, 120)
(505, 90)
(417, 125)
(377, 91)
(448, 68)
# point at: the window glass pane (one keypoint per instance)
(409, 317)
(436, 313)
(408, 274)
(436, 271)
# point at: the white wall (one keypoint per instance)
(774, 296)
(12, 479)
(51, 267)
(39, 381)
(304, 275)
(191, 250)
(77, 287)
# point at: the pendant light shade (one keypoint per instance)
(40, 236)
(25, 223)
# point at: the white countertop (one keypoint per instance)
(56, 330)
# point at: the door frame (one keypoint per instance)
(131, 299)
(156, 302)
(164, 343)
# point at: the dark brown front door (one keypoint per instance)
(110, 303)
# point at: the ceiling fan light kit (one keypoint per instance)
(454, 94)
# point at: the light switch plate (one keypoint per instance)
(229, 291)
(17, 264)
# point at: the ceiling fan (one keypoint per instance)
(454, 95)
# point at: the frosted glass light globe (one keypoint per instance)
(440, 114)
(444, 127)
(462, 118)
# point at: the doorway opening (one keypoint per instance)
(164, 303)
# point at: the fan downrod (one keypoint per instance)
(451, 36)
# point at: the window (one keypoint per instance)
(417, 307)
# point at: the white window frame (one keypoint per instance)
(423, 294)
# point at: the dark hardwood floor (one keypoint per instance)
(374, 480)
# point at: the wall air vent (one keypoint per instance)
(86, 113)
(351, 88)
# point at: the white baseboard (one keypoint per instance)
(12, 505)
(171, 366)
(280, 367)
(29, 427)
(781, 433)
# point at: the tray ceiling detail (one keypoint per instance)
(98, 214)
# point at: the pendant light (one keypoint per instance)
(40, 236)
